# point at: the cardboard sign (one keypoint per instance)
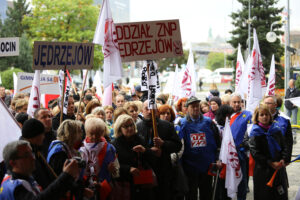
(9, 46)
(49, 84)
(149, 40)
(57, 55)
(198, 140)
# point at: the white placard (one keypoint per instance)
(9, 46)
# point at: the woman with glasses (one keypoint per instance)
(133, 156)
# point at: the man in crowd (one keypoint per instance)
(70, 113)
(162, 146)
(291, 109)
(6, 99)
(239, 123)
(201, 148)
(18, 184)
(282, 122)
(120, 100)
(44, 116)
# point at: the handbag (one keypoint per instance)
(146, 176)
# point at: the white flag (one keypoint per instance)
(240, 66)
(15, 78)
(107, 96)
(106, 36)
(272, 78)
(188, 83)
(257, 79)
(35, 94)
(10, 130)
(97, 84)
(243, 83)
(295, 101)
(229, 156)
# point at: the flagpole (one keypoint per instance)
(63, 96)
(152, 110)
(82, 92)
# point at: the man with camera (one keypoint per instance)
(19, 183)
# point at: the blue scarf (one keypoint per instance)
(272, 143)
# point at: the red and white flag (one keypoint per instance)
(35, 94)
(240, 66)
(229, 157)
(67, 89)
(272, 77)
(106, 36)
(256, 79)
(188, 83)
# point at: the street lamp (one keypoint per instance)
(271, 36)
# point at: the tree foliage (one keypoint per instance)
(64, 20)
(215, 60)
(7, 77)
(263, 13)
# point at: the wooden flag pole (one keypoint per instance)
(63, 96)
(152, 110)
(82, 91)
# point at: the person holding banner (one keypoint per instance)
(162, 146)
(269, 150)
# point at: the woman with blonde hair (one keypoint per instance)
(269, 150)
(132, 110)
(133, 156)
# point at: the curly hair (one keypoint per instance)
(180, 102)
(69, 131)
(91, 105)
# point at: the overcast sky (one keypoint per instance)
(197, 16)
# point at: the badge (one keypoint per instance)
(198, 140)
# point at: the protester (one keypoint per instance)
(134, 156)
(44, 116)
(201, 144)
(162, 99)
(99, 113)
(109, 110)
(87, 98)
(291, 109)
(21, 105)
(181, 108)
(6, 98)
(162, 146)
(21, 118)
(166, 113)
(120, 100)
(215, 103)
(204, 107)
(70, 113)
(269, 150)
(119, 111)
(282, 122)
(239, 123)
(90, 106)
(132, 110)
(19, 184)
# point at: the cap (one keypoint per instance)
(32, 128)
(192, 99)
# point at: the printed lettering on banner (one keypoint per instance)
(198, 140)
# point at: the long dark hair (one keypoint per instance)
(223, 112)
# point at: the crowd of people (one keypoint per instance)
(115, 152)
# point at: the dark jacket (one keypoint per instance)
(263, 171)
(56, 190)
(56, 120)
(7, 100)
(49, 137)
(289, 94)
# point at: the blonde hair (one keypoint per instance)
(129, 104)
(225, 99)
(261, 108)
(20, 103)
(95, 124)
(139, 105)
(122, 119)
(69, 131)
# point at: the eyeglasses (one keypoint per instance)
(128, 125)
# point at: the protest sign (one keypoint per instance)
(49, 84)
(57, 55)
(149, 40)
(9, 46)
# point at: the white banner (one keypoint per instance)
(9, 46)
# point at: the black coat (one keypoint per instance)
(263, 171)
(56, 120)
(289, 94)
(49, 137)
(161, 165)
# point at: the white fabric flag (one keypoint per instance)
(272, 79)
(295, 101)
(87, 79)
(35, 94)
(15, 78)
(106, 36)
(97, 84)
(229, 156)
(240, 66)
(257, 79)
(188, 83)
(243, 83)
(107, 96)
(10, 130)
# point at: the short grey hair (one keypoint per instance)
(273, 97)
(235, 94)
(95, 124)
(98, 110)
(10, 151)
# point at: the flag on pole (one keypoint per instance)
(272, 77)
(35, 94)
(15, 78)
(188, 83)
(107, 96)
(256, 79)
(229, 157)
(295, 101)
(243, 83)
(68, 83)
(240, 66)
(97, 84)
(9, 130)
(106, 36)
